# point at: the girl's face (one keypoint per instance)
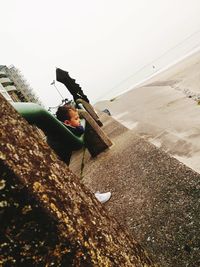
(74, 119)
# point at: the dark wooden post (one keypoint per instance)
(47, 217)
(95, 139)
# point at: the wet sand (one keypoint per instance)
(165, 111)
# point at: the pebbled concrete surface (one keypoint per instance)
(156, 197)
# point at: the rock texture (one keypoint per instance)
(47, 217)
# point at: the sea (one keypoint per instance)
(186, 48)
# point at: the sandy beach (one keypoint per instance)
(165, 110)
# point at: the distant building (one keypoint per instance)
(4, 92)
(14, 87)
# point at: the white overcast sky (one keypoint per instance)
(99, 42)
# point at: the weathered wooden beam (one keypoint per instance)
(95, 138)
(89, 108)
(47, 217)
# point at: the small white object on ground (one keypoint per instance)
(103, 197)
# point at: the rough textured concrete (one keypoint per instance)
(165, 110)
(154, 196)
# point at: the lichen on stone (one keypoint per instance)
(2, 184)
